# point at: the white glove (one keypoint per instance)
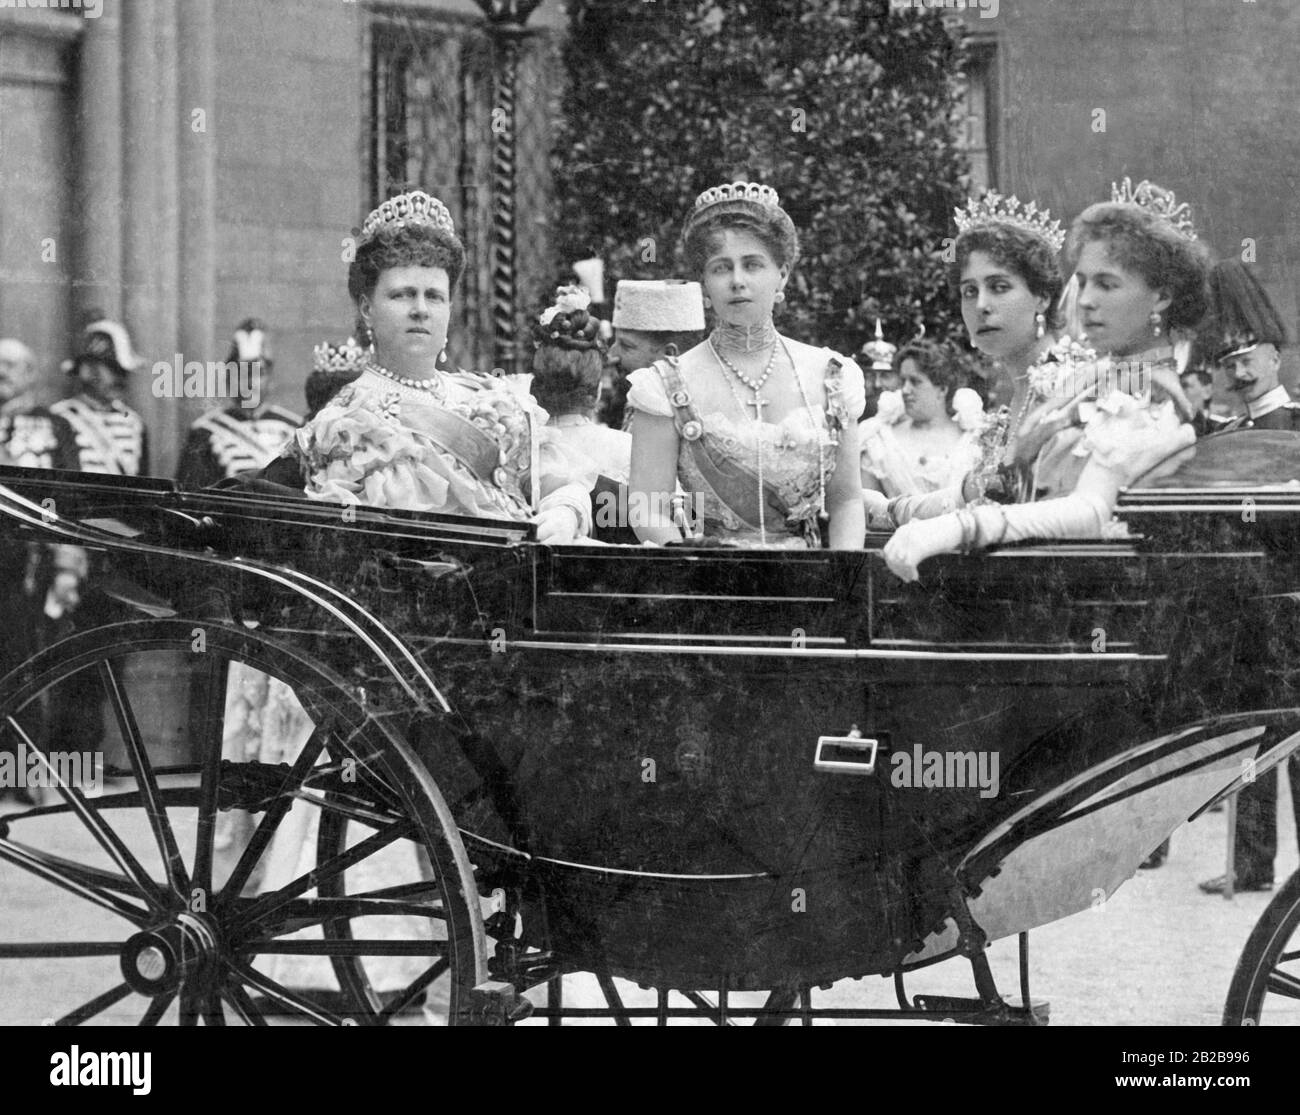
(1081, 515)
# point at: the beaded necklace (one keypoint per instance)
(432, 386)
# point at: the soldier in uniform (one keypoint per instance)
(109, 437)
(1246, 334)
(1198, 386)
(30, 436)
(237, 439)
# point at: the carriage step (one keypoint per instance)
(976, 1012)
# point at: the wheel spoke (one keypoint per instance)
(146, 780)
(98, 1003)
(613, 998)
(103, 834)
(83, 873)
(58, 949)
(286, 998)
(242, 1005)
(1284, 984)
(268, 904)
(157, 1008)
(274, 814)
(191, 1003)
(213, 1015)
(407, 997)
(303, 913)
(212, 702)
(348, 947)
(19, 856)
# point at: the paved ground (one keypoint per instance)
(1158, 952)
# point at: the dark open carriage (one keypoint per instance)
(706, 770)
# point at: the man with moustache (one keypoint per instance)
(650, 315)
(1245, 335)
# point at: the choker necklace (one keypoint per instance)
(578, 420)
(743, 338)
(432, 386)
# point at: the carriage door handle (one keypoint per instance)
(851, 754)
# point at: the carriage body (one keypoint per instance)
(628, 738)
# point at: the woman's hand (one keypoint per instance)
(877, 508)
(558, 525)
(919, 539)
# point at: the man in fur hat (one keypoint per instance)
(650, 316)
(236, 439)
(109, 436)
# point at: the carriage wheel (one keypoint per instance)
(1266, 985)
(125, 913)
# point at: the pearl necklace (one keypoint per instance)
(431, 386)
(759, 402)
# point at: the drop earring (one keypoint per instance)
(442, 357)
(1155, 323)
(1040, 319)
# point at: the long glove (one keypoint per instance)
(1081, 515)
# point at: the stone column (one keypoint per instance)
(149, 209)
(197, 139)
(98, 280)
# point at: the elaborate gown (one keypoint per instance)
(723, 459)
(1124, 438)
(898, 469)
(482, 450)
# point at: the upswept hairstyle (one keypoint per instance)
(1021, 252)
(702, 233)
(937, 362)
(409, 246)
(569, 362)
(1148, 245)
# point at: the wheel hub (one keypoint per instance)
(159, 959)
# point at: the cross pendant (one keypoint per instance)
(758, 404)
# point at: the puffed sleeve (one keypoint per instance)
(646, 393)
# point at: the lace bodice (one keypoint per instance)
(794, 454)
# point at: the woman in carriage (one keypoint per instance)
(773, 477)
(408, 434)
(1105, 414)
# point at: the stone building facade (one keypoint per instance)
(183, 166)
(1198, 95)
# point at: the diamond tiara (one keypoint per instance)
(738, 191)
(414, 208)
(994, 209)
(1156, 199)
(345, 357)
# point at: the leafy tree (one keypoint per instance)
(848, 108)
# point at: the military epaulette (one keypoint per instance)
(282, 413)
